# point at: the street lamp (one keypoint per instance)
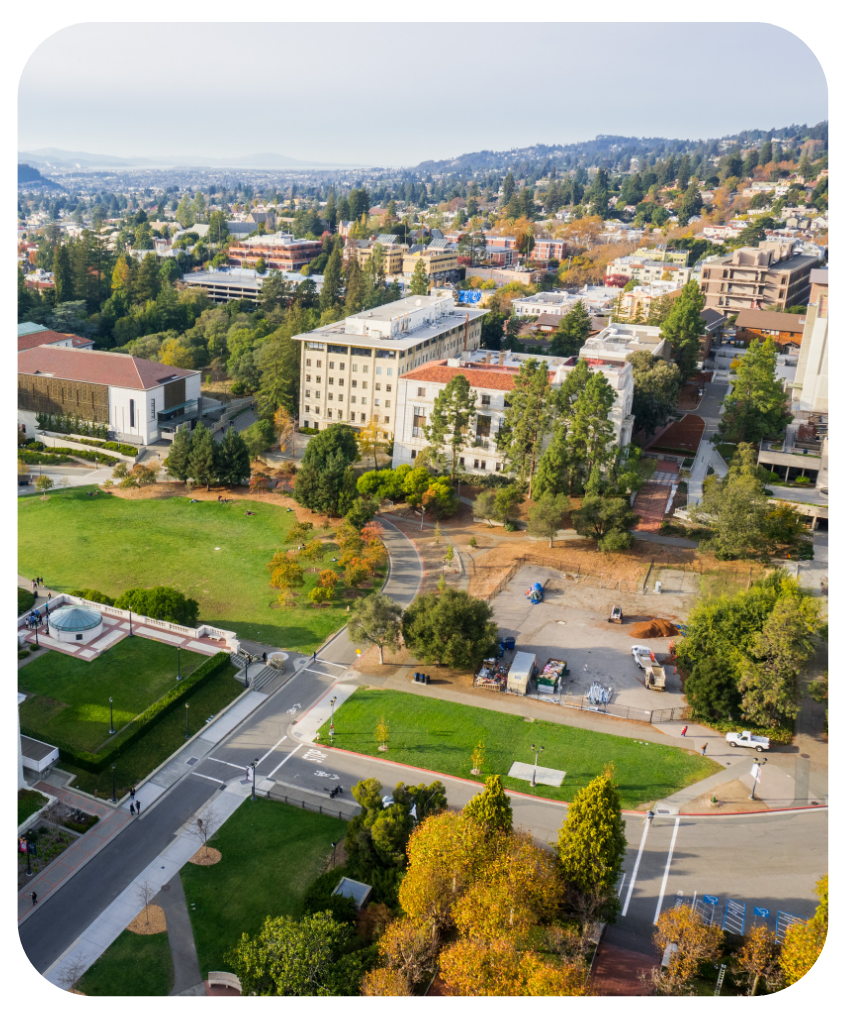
(130, 620)
(111, 718)
(114, 787)
(756, 776)
(334, 846)
(255, 764)
(178, 664)
(537, 753)
(332, 722)
(249, 659)
(186, 721)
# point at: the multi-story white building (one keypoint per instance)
(648, 271)
(491, 377)
(350, 370)
(613, 344)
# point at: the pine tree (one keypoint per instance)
(178, 462)
(552, 474)
(330, 212)
(355, 289)
(507, 188)
(683, 327)
(62, 279)
(203, 467)
(491, 807)
(591, 432)
(691, 204)
(453, 409)
(233, 459)
(527, 419)
(331, 292)
(420, 279)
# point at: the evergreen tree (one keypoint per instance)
(344, 210)
(507, 188)
(178, 462)
(202, 463)
(592, 847)
(684, 173)
(355, 289)
(757, 406)
(590, 432)
(331, 293)
(691, 203)
(684, 326)
(552, 477)
(420, 279)
(326, 485)
(571, 334)
(597, 196)
(491, 807)
(452, 412)
(527, 419)
(657, 385)
(233, 459)
(62, 278)
(330, 212)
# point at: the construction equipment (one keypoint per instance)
(616, 614)
(656, 677)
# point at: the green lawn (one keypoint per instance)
(152, 749)
(440, 736)
(134, 965)
(29, 801)
(111, 544)
(68, 698)
(271, 853)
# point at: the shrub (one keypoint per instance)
(802, 480)
(26, 599)
(23, 654)
(319, 897)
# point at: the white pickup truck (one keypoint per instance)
(757, 742)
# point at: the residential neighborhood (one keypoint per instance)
(423, 562)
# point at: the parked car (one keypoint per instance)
(757, 742)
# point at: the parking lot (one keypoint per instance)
(572, 624)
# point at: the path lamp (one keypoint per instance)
(334, 846)
(30, 847)
(332, 722)
(756, 776)
(249, 659)
(111, 718)
(114, 788)
(178, 664)
(186, 721)
(130, 620)
(255, 764)
(422, 514)
(537, 751)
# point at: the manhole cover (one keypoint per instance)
(193, 760)
(805, 756)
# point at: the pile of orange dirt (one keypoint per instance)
(654, 628)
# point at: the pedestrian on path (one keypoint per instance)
(138, 807)
(704, 748)
(34, 897)
(132, 790)
(684, 731)
(131, 810)
(314, 656)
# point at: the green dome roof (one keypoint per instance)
(75, 618)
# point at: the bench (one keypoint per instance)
(227, 979)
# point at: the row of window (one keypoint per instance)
(477, 464)
(340, 417)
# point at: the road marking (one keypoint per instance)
(636, 865)
(272, 748)
(315, 755)
(237, 767)
(287, 758)
(315, 671)
(667, 870)
(217, 781)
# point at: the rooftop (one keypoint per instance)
(44, 337)
(775, 320)
(97, 366)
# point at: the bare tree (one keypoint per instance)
(205, 827)
(72, 973)
(144, 894)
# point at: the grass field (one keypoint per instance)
(68, 698)
(29, 801)
(209, 551)
(132, 966)
(271, 852)
(440, 736)
(164, 738)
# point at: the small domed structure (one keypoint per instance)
(75, 624)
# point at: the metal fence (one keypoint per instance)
(651, 717)
(294, 800)
(569, 571)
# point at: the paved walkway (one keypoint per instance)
(186, 967)
(710, 411)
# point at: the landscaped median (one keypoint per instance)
(440, 736)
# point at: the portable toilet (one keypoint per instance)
(523, 668)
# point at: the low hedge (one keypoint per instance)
(81, 828)
(127, 450)
(26, 599)
(144, 721)
(84, 454)
(36, 458)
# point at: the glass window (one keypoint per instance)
(364, 401)
(486, 400)
(352, 399)
(378, 386)
(308, 362)
(340, 367)
(364, 385)
(387, 421)
(365, 368)
(354, 383)
(317, 393)
(387, 403)
(418, 422)
(414, 454)
(320, 364)
(355, 368)
(331, 365)
(421, 392)
(364, 417)
(390, 371)
(388, 387)
(378, 371)
(308, 393)
(377, 402)
(340, 381)
(331, 381)
(317, 378)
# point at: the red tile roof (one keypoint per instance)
(487, 376)
(46, 337)
(97, 366)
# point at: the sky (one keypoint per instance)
(394, 95)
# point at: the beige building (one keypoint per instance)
(441, 262)
(753, 277)
(349, 370)
(640, 298)
(392, 254)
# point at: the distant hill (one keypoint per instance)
(29, 175)
(65, 160)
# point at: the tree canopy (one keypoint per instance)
(449, 628)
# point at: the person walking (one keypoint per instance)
(34, 897)
(684, 731)
(131, 810)
(705, 746)
(132, 790)
(138, 807)
(314, 656)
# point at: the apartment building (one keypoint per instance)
(639, 299)
(139, 400)
(546, 249)
(552, 302)
(31, 335)
(279, 251)
(810, 386)
(784, 329)
(753, 277)
(491, 376)
(439, 259)
(661, 253)
(392, 253)
(649, 271)
(225, 284)
(349, 370)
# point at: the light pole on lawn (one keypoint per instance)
(114, 787)
(186, 721)
(111, 717)
(332, 722)
(537, 751)
(130, 620)
(756, 776)
(249, 659)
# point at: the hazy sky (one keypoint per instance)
(384, 94)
